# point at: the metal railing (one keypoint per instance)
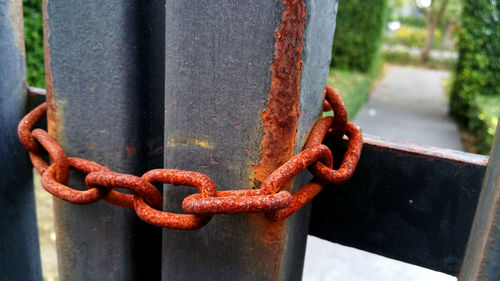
(121, 94)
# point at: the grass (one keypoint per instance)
(354, 86)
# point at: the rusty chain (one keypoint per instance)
(147, 201)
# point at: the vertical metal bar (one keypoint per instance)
(104, 67)
(19, 251)
(224, 119)
(482, 257)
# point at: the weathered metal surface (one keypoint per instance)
(349, 160)
(482, 258)
(105, 73)
(19, 251)
(84, 196)
(335, 102)
(324, 174)
(269, 198)
(218, 81)
(405, 201)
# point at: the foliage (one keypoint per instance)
(358, 34)
(452, 13)
(478, 70)
(487, 110)
(33, 30)
(406, 58)
(354, 86)
(413, 21)
(413, 37)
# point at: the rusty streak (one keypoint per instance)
(280, 119)
(282, 114)
(53, 120)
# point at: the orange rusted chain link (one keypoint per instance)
(236, 202)
(56, 153)
(175, 177)
(91, 195)
(351, 157)
(340, 117)
(139, 187)
(268, 197)
(324, 174)
(147, 201)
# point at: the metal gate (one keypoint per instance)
(188, 85)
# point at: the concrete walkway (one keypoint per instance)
(410, 105)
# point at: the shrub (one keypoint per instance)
(478, 68)
(414, 21)
(413, 37)
(403, 57)
(358, 35)
(33, 30)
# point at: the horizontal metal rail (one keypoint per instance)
(408, 202)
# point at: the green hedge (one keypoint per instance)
(33, 31)
(358, 35)
(477, 73)
(415, 21)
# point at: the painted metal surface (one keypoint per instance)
(105, 73)
(482, 258)
(19, 251)
(218, 80)
(411, 203)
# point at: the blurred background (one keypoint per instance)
(422, 71)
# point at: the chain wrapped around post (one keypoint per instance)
(147, 201)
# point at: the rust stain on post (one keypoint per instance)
(280, 120)
(282, 114)
(53, 118)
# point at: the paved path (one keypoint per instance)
(410, 105)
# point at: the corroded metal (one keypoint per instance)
(218, 92)
(335, 102)
(64, 192)
(269, 198)
(25, 125)
(236, 202)
(138, 186)
(171, 220)
(349, 161)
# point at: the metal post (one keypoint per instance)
(227, 117)
(19, 251)
(482, 257)
(104, 67)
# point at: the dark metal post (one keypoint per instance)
(482, 257)
(227, 117)
(19, 251)
(105, 73)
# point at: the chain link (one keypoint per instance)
(147, 201)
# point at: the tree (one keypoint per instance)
(433, 15)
